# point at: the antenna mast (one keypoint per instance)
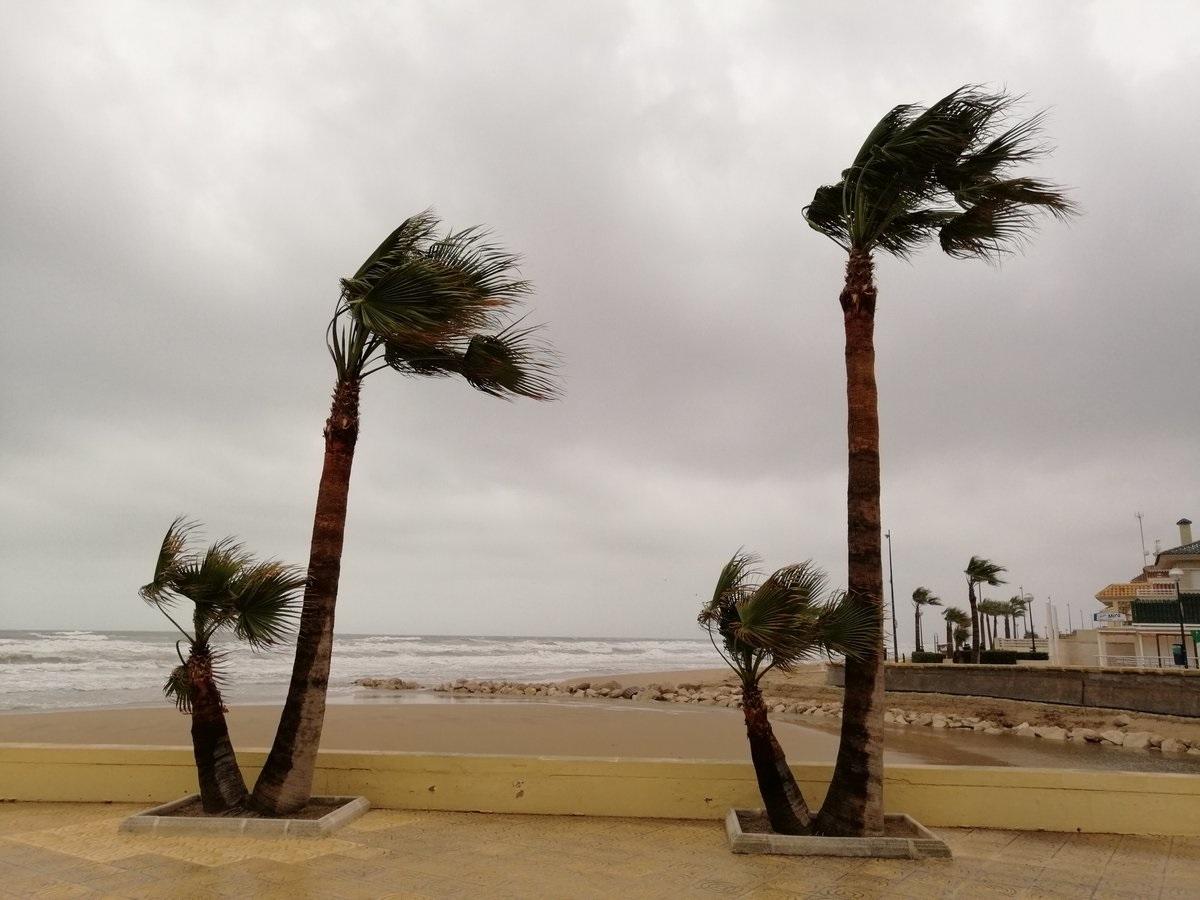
(1142, 533)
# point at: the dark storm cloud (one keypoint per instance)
(184, 185)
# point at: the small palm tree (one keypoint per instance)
(961, 633)
(777, 624)
(421, 305)
(980, 571)
(1018, 606)
(992, 611)
(944, 172)
(229, 592)
(921, 597)
(956, 619)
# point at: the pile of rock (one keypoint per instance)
(729, 695)
(389, 684)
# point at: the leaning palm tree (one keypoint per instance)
(229, 592)
(1017, 607)
(945, 171)
(777, 624)
(955, 619)
(422, 304)
(980, 571)
(921, 597)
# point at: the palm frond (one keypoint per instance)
(922, 596)
(169, 561)
(178, 689)
(984, 571)
(942, 170)
(413, 233)
(511, 364)
(265, 603)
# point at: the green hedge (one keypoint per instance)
(922, 657)
(998, 657)
(1030, 654)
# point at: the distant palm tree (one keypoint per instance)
(992, 611)
(980, 571)
(777, 624)
(421, 305)
(955, 619)
(945, 171)
(922, 597)
(229, 591)
(961, 633)
(1018, 605)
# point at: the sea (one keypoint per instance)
(55, 670)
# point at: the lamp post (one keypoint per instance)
(892, 582)
(1176, 576)
(1027, 602)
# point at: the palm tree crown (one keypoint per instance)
(924, 597)
(782, 621)
(229, 591)
(984, 571)
(945, 170)
(424, 304)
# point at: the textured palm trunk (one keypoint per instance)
(976, 637)
(920, 644)
(1008, 627)
(854, 804)
(781, 796)
(949, 638)
(285, 784)
(222, 788)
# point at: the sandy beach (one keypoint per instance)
(424, 721)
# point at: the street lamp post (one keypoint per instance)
(892, 582)
(1176, 576)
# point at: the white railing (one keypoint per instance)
(1021, 644)
(1138, 662)
(1156, 590)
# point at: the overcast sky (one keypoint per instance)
(184, 184)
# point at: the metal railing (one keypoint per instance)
(1138, 662)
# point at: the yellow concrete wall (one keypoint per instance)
(1011, 798)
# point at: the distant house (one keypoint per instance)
(1140, 622)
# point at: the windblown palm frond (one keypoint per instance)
(984, 571)
(924, 597)
(170, 559)
(956, 616)
(436, 306)
(178, 689)
(786, 619)
(264, 603)
(941, 171)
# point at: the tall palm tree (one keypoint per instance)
(1019, 606)
(955, 619)
(229, 591)
(922, 596)
(776, 624)
(944, 171)
(980, 571)
(422, 305)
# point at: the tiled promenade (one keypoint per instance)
(61, 850)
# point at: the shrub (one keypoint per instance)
(999, 657)
(922, 657)
(1030, 654)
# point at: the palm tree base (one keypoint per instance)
(749, 831)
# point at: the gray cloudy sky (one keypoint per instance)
(184, 184)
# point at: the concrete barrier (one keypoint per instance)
(1169, 692)
(957, 796)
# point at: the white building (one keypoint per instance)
(1140, 625)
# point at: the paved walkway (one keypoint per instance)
(74, 850)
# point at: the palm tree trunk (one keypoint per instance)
(976, 635)
(285, 784)
(949, 638)
(854, 804)
(1008, 627)
(781, 796)
(920, 647)
(221, 785)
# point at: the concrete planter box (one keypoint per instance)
(159, 821)
(904, 838)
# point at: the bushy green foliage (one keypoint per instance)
(920, 656)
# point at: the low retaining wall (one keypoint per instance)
(956, 796)
(1170, 692)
